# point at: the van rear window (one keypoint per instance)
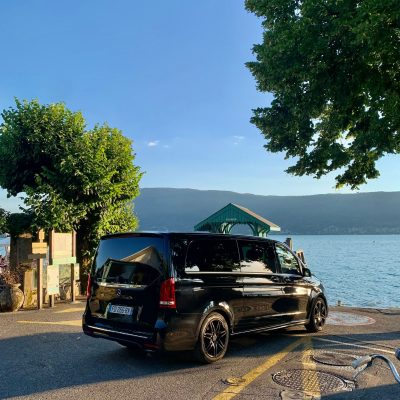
(134, 260)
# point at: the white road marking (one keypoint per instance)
(353, 345)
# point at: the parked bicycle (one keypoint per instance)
(366, 361)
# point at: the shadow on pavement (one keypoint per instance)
(38, 363)
(384, 392)
(48, 361)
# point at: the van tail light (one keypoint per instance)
(89, 286)
(167, 294)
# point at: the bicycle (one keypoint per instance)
(366, 361)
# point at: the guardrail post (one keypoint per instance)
(73, 267)
(40, 275)
(51, 238)
(289, 243)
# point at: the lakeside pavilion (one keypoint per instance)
(231, 215)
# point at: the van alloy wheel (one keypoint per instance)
(213, 338)
(318, 316)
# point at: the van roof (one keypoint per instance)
(182, 234)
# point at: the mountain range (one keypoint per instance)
(359, 213)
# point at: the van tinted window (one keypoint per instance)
(217, 255)
(130, 260)
(257, 256)
(178, 255)
(288, 262)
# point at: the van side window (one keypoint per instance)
(287, 261)
(212, 256)
(257, 256)
(178, 255)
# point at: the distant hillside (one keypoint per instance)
(361, 213)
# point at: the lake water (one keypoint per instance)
(3, 240)
(358, 270)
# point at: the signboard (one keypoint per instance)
(62, 245)
(53, 279)
(39, 248)
(62, 248)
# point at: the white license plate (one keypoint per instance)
(121, 310)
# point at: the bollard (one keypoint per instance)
(289, 243)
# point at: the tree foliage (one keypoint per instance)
(333, 67)
(72, 177)
(18, 223)
(3, 221)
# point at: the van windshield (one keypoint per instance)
(133, 260)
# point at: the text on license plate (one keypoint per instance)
(121, 310)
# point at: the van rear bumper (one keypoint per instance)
(149, 341)
(172, 333)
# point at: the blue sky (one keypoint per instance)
(170, 75)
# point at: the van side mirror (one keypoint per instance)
(306, 272)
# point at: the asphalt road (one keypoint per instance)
(44, 355)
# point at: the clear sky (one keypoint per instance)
(170, 75)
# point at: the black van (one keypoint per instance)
(192, 291)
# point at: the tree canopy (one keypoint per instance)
(73, 177)
(333, 67)
(3, 221)
(18, 223)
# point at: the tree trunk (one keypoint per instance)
(84, 253)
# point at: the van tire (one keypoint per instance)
(318, 315)
(213, 339)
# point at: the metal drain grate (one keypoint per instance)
(305, 380)
(335, 359)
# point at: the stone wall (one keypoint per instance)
(20, 247)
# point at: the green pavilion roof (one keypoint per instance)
(232, 214)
